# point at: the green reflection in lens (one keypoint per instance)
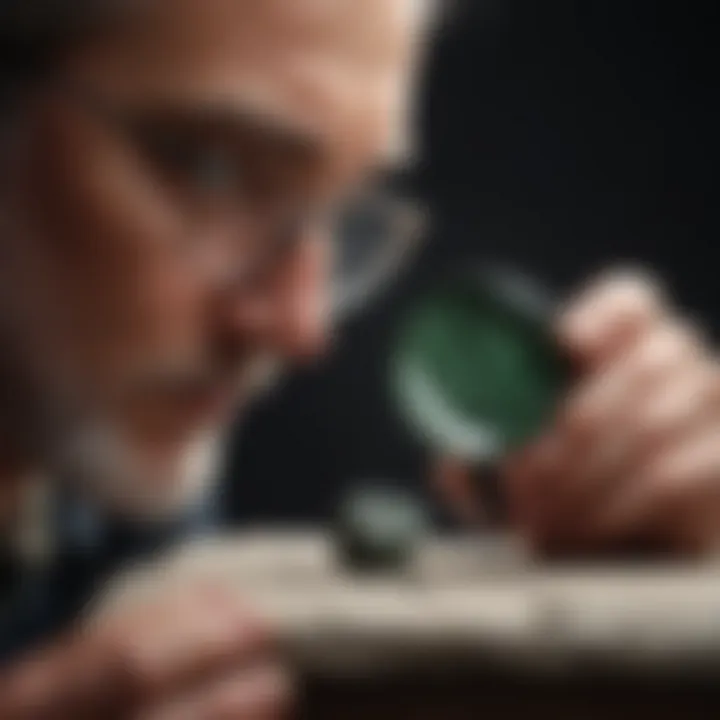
(475, 368)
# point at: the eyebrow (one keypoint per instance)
(289, 138)
(208, 114)
(236, 119)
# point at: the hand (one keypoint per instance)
(633, 457)
(198, 655)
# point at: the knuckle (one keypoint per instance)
(682, 340)
(583, 412)
(657, 422)
(254, 635)
(581, 420)
(267, 693)
(264, 636)
(666, 484)
(132, 669)
(691, 399)
(665, 347)
(280, 689)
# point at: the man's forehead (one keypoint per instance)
(363, 26)
(331, 67)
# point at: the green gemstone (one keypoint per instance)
(379, 528)
(475, 368)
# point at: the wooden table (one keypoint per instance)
(474, 627)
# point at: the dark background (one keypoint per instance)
(562, 136)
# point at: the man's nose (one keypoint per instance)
(288, 312)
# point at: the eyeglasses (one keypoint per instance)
(244, 204)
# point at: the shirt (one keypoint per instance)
(45, 598)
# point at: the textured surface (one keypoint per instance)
(464, 604)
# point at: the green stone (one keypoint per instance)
(475, 368)
(379, 528)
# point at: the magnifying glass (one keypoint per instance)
(475, 370)
(476, 373)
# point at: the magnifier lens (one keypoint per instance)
(475, 368)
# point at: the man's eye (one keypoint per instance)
(213, 171)
(200, 167)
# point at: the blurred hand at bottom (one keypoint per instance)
(198, 655)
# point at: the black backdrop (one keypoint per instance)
(559, 135)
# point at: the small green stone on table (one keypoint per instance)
(379, 529)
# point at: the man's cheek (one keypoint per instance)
(103, 254)
(156, 321)
(172, 312)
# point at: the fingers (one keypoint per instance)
(609, 315)
(202, 637)
(679, 484)
(649, 389)
(200, 633)
(72, 678)
(614, 318)
(656, 389)
(260, 693)
(680, 406)
(580, 479)
(648, 363)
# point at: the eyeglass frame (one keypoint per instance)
(409, 219)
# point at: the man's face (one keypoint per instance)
(147, 274)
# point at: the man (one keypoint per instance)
(171, 170)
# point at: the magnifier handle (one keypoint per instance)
(539, 302)
(533, 298)
(491, 495)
